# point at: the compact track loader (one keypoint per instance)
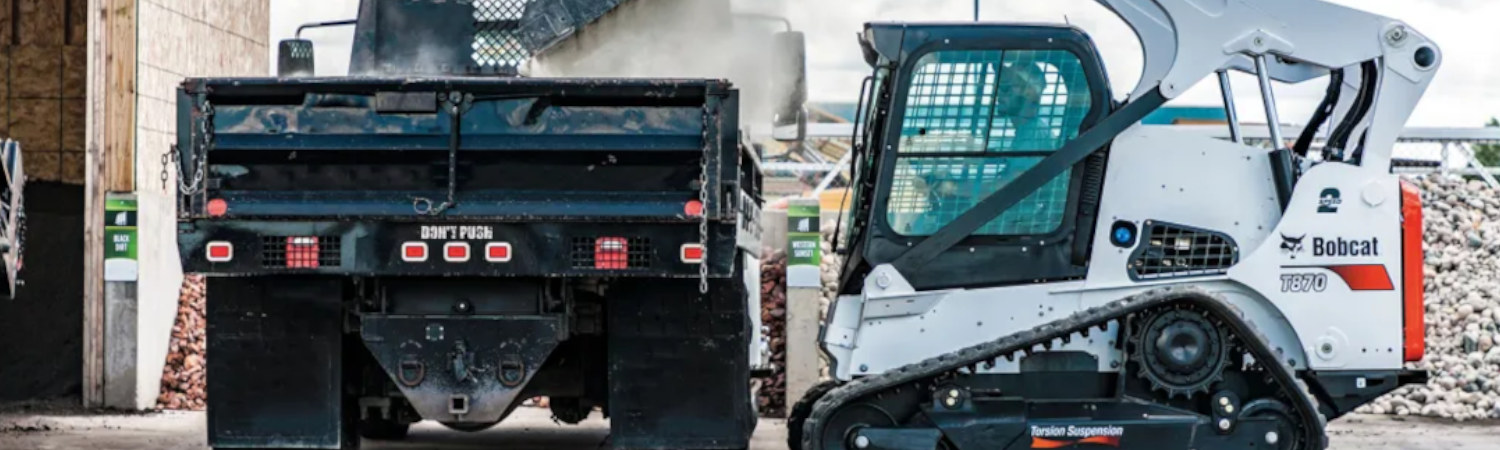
(1028, 267)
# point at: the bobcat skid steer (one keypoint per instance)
(1028, 267)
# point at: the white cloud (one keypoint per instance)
(1465, 93)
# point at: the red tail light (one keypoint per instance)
(497, 252)
(456, 251)
(219, 251)
(414, 251)
(693, 208)
(692, 253)
(1413, 325)
(611, 253)
(302, 252)
(217, 207)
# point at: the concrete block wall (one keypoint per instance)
(177, 39)
(42, 95)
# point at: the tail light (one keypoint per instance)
(611, 253)
(692, 253)
(456, 252)
(414, 251)
(1412, 318)
(219, 251)
(497, 252)
(217, 207)
(302, 252)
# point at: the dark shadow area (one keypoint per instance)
(41, 330)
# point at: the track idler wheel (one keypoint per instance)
(1180, 351)
(843, 427)
(1286, 436)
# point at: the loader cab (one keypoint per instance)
(953, 112)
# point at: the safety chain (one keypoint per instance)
(200, 155)
(703, 200)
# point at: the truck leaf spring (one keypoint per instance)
(1292, 389)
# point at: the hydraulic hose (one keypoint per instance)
(1320, 117)
(1362, 104)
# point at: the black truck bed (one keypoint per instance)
(546, 166)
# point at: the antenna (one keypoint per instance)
(976, 10)
(1066, 21)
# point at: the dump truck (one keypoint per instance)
(433, 237)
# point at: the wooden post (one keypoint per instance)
(110, 131)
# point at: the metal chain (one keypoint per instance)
(200, 156)
(703, 199)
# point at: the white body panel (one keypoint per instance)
(1157, 174)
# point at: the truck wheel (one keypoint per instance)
(570, 410)
(383, 429)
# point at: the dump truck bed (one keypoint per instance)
(548, 165)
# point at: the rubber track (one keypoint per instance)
(1292, 388)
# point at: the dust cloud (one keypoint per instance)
(681, 39)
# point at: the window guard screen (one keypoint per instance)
(976, 119)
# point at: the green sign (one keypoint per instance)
(804, 237)
(120, 238)
(119, 229)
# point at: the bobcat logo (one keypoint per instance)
(1292, 245)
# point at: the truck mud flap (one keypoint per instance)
(275, 372)
(679, 365)
(466, 369)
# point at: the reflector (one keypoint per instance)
(456, 251)
(414, 251)
(692, 253)
(220, 251)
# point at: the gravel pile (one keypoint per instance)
(771, 396)
(1462, 235)
(182, 379)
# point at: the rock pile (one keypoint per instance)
(182, 379)
(771, 397)
(1462, 234)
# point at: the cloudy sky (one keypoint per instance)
(1466, 92)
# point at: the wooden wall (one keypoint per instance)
(43, 55)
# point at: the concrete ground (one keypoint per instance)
(55, 428)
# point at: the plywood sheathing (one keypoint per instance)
(42, 22)
(36, 72)
(73, 164)
(6, 24)
(42, 62)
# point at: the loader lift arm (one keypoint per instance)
(1185, 41)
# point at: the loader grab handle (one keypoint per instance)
(1024, 185)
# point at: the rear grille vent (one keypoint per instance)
(299, 252)
(1171, 251)
(604, 253)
